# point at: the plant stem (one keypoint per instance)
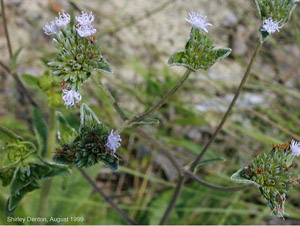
(106, 198)
(157, 105)
(6, 29)
(113, 101)
(181, 180)
(236, 96)
(46, 185)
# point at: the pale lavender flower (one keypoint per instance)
(198, 20)
(63, 19)
(295, 148)
(86, 30)
(113, 141)
(271, 25)
(70, 97)
(51, 28)
(85, 18)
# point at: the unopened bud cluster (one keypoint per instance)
(271, 173)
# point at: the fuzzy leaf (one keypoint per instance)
(31, 81)
(65, 132)
(8, 136)
(199, 52)
(239, 177)
(88, 119)
(103, 66)
(41, 130)
(15, 199)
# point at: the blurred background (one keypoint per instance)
(137, 37)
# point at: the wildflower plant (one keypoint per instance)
(93, 143)
(78, 54)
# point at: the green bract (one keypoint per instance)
(199, 52)
(22, 168)
(270, 172)
(89, 147)
(279, 10)
(76, 58)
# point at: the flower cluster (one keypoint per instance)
(295, 148)
(198, 20)
(71, 97)
(113, 141)
(271, 26)
(84, 24)
(61, 21)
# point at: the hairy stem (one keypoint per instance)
(46, 185)
(181, 180)
(236, 96)
(106, 198)
(157, 105)
(6, 29)
(113, 101)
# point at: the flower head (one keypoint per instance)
(271, 25)
(51, 28)
(85, 18)
(295, 148)
(71, 97)
(86, 30)
(198, 20)
(113, 141)
(63, 19)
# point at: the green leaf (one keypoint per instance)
(15, 199)
(41, 131)
(199, 52)
(208, 161)
(103, 66)
(88, 119)
(9, 136)
(7, 173)
(65, 132)
(31, 81)
(239, 177)
(54, 169)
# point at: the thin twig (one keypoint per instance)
(172, 203)
(106, 198)
(155, 107)
(6, 29)
(180, 183)
(236, 96)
